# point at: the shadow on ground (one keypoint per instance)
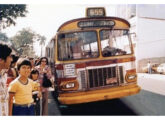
(110, 107)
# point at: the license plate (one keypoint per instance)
(111, 80)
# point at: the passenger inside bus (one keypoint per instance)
(112, 43)
(112, 51)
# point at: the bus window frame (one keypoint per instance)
(129, 39)
(84, 30)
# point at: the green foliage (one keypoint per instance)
(24, 39)
(41, 40)
(3, 37)
(9, 12)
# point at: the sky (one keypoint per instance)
(45, 19)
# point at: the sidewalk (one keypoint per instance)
(152, 76)
(53, 109)
(152, 82)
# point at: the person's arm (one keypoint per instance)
(11, 95)
(39, 89)
(36, 87)
(48, 72)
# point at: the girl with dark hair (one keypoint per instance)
(36, 94)
(43, 68)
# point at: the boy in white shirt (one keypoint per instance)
(5, 61)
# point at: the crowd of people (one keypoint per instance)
(21, 84)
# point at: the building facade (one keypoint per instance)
(148, 22)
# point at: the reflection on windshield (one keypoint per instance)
(78, 45)
(115, 42)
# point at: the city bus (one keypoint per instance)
(93, 59)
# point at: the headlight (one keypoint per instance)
(131, 77)
(70, 85)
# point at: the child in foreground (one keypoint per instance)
(20, 91)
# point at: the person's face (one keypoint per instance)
(13, 65)
(25, 70)
(32, 61)
(35, 76)
(43, 62)
(5, 64)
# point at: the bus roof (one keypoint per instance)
(72, 24)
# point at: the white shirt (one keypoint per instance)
(149, 65)
(3, 94)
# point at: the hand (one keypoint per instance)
(39, 95)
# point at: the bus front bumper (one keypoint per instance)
(98, 95)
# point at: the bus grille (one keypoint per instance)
(121, 76)
(105, 76)
(83, 79)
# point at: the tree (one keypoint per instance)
(41, 40)
(8, 14)
(23, 41)
(3, 37)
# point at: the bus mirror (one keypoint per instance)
(132, 34)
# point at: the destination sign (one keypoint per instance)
(96, 23)
(96, 12)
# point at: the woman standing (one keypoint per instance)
(43, 68)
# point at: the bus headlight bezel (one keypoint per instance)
(69, 85)
(131, 76)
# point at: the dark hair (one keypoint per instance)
(34, 71)
(42, 59)
(5, 51)
(31, 58)
(23, 61)
(15, 58)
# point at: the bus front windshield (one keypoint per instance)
(77, 45)
(115, 42)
